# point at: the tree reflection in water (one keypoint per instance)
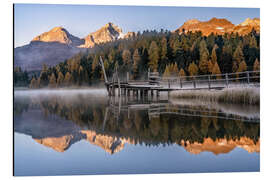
(59, 121)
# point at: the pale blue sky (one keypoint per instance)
(34, 19)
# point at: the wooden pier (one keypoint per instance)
(154, 83)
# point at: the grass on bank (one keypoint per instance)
(237, 95)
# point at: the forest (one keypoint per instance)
(170, 54)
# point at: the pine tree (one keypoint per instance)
(210, 66)
(43, 78)
(167, 72)
(256, 65)
(136, 61)
(253, 42)
(126, 56)
(203, 63)
(33, 83)
(216, 71)
(60, 79)
(204, 55)
(242, 67)
(203, 49)
(153, 56)
(52, 82)
(238, 55)
(193, 69)
(182, 74)
(68, 79)
(163, 52)
(174, 69)
(213, 54)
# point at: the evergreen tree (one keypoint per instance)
(43, 78)
(126, 56)
(68, 79)
(163, 52)
(182, 74)
(193, 69)
(136, 61)
(253, 42)
(216, 71)
(210, 66)
(213, 54)
(52, 82)
(238, 55)
(60, 79)
(204, 54)
(256, 65)
(33, 83)
(153, 56)
(167, 72)
(242, 66)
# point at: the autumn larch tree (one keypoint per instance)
(126, 56)
(52, 81)
(193, 69)
(136, 61)
(182, 74)
(216, 71)
(204, 55)
(153, 56)
(60, 79)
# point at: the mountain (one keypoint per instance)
(219, 26)
(61, 35)
(58, 44)
(107, 33)
(247, 26)
(51, 47)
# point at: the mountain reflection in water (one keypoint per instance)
(58, 121)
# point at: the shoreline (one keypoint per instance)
(236, 95)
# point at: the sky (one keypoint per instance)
(31, 20)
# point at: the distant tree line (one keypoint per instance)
(170, 54)
(20, 78)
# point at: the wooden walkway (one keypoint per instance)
(154, 83)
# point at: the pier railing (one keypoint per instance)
(154, 82)
(212, 80)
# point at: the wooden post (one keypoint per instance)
(209, 82)
(227, 81)
(113, 90)
(194, 83)
(128, 92)
(157, 93)
(152, 93)
(180, 82)
(119, 87)
(127, 77)
(169, 84)
(148, 74)
(247, 77)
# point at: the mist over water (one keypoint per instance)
(83, 131)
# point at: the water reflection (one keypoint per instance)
(58, 121)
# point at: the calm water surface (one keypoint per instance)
(75, 132)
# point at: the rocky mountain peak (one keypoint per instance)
(60, 35)
(220, 21)
(251, 22)
(107, 33)
(192, 21)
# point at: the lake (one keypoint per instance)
(80, 132)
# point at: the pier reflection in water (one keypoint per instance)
(125, 128)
